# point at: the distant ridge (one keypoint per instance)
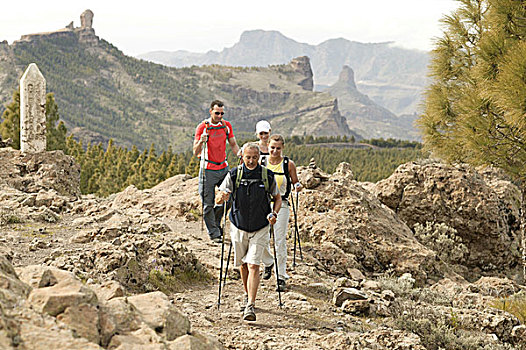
(391, 76)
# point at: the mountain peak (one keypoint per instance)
(86, 32)
(347, 77)
(259, 34)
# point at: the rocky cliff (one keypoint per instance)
(365, 116)
(477, 209)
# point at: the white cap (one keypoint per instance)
(262, 126)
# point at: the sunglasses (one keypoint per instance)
(263, 133)
(218, 113)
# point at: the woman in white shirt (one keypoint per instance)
(286, 177)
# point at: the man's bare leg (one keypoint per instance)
(252, 282)
(243, 270)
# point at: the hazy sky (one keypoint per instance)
(202, 25)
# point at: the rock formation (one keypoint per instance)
(364, 115)
(134, 271)
(482, 206)
(86, 19)
(346, 77)
(47, 308)
(302, 66)
(352, 229)
(85, 32)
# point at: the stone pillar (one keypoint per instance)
(32, 110)
(86, 19)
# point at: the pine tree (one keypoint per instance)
(181, 165)
(453, 58)
(55, 134)
(475, 108)
(192, 168)
(10, 126)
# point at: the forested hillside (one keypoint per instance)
(109, 169)
(104, 94)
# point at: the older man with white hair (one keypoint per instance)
(253, 187)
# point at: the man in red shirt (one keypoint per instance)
(211, 137)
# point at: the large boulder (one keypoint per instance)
(158, 313)
(139, 262)
(56, 299)
(351, 228)
(459, 206)
(33, 172)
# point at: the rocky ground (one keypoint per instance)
(135, 270)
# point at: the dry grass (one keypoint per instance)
(515, 305)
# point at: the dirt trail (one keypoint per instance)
(307, 313)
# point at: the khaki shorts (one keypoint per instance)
(249, 246)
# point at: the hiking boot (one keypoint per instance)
(268, 272)
(217, 239)
(249, 314)
(281, 285)
(244, 303)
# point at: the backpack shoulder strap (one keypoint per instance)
(264, 178)
(226, 129)
(264, 160)
(239, 175)
(223, 126)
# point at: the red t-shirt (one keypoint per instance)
(216, 145)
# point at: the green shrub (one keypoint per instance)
(443, 240)
(403, 289)
(8, 217)
(177, 282)
(438, 332)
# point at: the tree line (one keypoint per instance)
(109, 169)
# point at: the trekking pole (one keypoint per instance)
(229, 251)
(203, 179)
(272, 235)
(296, 223)
(296, 231)
(221, 264)
(227, 263)
(294, 255)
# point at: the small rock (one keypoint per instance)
(344, 294)
(356, 307)
(356, 274)
(296, 296)
(370, 285)
(82, 237)
(344, 282)
(388, 295)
